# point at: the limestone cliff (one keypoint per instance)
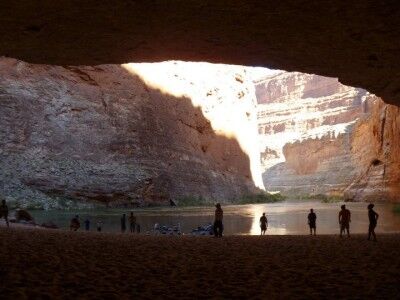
(376, 151)
(318, 136)
(304, 125)
(103, 134)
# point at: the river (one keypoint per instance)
(284, 218)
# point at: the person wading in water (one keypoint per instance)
(263, 224)
(344, 220)
(218, 226)
(312, 221)
(373, 221)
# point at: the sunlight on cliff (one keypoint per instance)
(225, 94)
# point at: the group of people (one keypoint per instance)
(218, 228)
(344, 221)
(133, 225)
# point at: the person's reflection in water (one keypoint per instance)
(218, 226)
(263, 224)
(373, 221)
(344, 220)
(312, 222)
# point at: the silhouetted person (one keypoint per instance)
(4, 211)
(75, 224)
(344, 220)
(373, 221)
(138, 228)
(132, 223)
(87, 224)
(263, 224)
(99, 225)
(312, 222)
(218, 226)
(123, 223)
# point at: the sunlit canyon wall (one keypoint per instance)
(126, 135)
(318, 136)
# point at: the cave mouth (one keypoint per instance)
(139, 130)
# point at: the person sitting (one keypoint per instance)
(75, 224)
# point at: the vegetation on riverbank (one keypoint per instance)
(320, 197)
(262, 197)
(58, 203)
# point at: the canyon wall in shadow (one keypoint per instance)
(101, 134)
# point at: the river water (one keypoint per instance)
(284, 218)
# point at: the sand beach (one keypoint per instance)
(57, 264)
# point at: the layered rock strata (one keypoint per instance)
(318, 136)
(375, 146)
(102, 134)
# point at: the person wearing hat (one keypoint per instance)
(373, 221)
(218, 226)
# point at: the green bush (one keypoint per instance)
(396, 209)
(322, 197)
(192, 201)
(262, 197)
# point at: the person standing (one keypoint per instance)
(312, 222)
(99, 225)
(263, 224)
(218, 226)
(344, 220)
(123, 223)
(4, 211)
(87, 224)
(373, 221)
(132, 223)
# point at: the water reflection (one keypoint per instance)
(283, 218)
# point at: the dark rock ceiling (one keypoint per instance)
(356, 41)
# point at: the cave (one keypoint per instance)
(134, 105)
(244, 33)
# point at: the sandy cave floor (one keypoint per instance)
(52, 264)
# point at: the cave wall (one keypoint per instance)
(355, 41)
(102, 134)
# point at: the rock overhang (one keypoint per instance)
(356, 41)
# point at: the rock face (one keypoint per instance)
(102, 134)
(376, 152)
(355, 41)
(318, 136)
(304, 125)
